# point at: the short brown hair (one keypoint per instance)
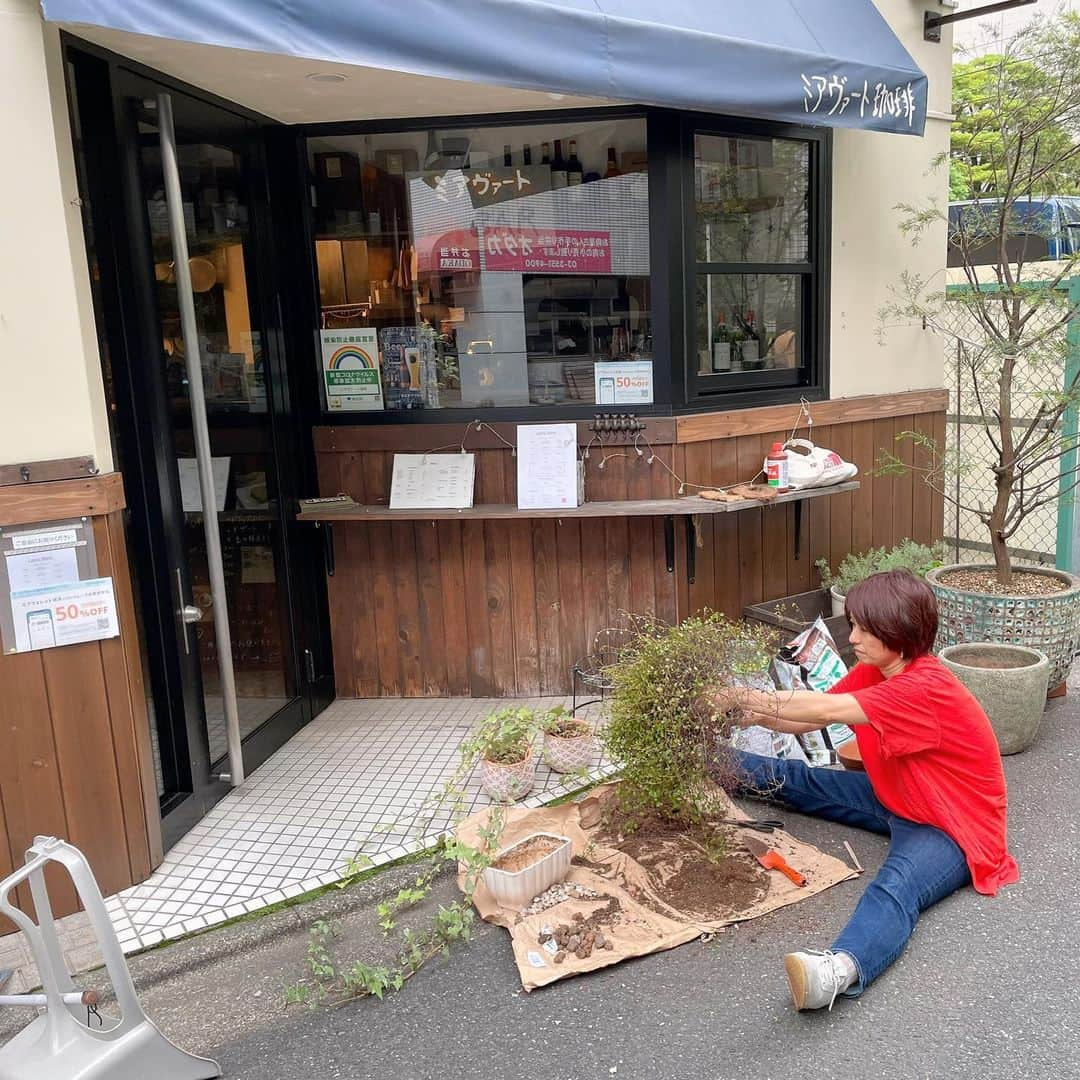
(898, 608)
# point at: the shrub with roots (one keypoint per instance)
(661, 727)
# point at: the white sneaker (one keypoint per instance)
(816, 977)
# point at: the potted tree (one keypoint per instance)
(1007, 317)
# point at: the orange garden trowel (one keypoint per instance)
(771, 860)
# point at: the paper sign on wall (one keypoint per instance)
(190, 492)
(624, 382)
(351, 373)
(547, 466)
(433, 481)
(64, 614)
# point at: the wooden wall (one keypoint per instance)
(504, 608)
(75, 753)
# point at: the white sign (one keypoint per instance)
(433, 481)
(623, 382)
(190, 495)
(547, 466)
(35, 539)
(351, 374)
(64, 614)
(36, 569)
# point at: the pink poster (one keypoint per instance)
(546, 251)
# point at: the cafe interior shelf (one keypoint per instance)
(690, 504)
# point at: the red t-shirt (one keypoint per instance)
(931, 756)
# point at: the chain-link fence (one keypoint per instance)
(972, 382)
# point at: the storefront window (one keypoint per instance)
(754, 261)
(478, 267)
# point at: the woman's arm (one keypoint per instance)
(793, 711)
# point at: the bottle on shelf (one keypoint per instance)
(526, 155)
(751, 346)
(545, 154)
(736, 338)
(574, 172)
(558, 167)
(612, 164)
(721, 345)
(776, 468)
(507, 157)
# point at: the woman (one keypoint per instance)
(933, 781)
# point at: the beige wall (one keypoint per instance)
(872, 172)
(51, 398)
(52, 403)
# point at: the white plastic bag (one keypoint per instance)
(814, 466)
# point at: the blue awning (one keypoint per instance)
(827, 62)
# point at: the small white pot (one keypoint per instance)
(837, 599)
(516, 890)
(508, 783)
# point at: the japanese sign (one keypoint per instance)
(350, 360)
(833, 96)
(490, 185)
(553, 251)
(624, 382)
(69, 614)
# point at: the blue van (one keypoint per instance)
(1046, 227)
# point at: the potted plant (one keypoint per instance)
(661, 725)
(1010, 683)
(856, 566)
(527, 868)
(1006, 318)
(503, 746)
(568, 741)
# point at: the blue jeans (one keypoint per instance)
(924, 864)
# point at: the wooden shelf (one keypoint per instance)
(689, 505)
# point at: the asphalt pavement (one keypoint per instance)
(987, 989)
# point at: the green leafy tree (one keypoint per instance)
(1008, 320)
(1008, 108)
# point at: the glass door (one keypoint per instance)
(280, 677)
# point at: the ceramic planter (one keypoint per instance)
(1050, 624)
(569, 754)
(837, 599)
(516, 889)
(508, 783)
(1009, 682)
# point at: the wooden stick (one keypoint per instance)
(854, 857)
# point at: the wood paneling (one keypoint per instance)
(520, 600)
(25, 504)
(77, 760)
(726, 425)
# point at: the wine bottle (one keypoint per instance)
(612, 164)
(545, 154)
(751, 351)
(558, 167)
(574, 171)
(507, 160)
(526, 155)
(721, 349)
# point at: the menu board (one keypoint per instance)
(547, 466)
(433, 481)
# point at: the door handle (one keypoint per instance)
(186, 613)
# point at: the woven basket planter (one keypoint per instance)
(508, 783)
(569, 755)
(1050, 624)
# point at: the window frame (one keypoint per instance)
(749, 389)
(673, 267)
